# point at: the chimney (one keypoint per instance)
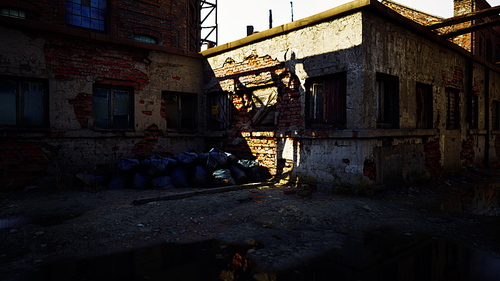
(249, 30)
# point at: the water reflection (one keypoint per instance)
(480, 199)
(376, 256)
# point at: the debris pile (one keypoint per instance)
(187, 169)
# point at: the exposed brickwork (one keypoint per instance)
(149, 144)
(370, 170)
(456, 80)
(433, 159)
(166, 20)
(23, 162)
(83, 108)
(71, 58)
(467, 154)
(257, 72)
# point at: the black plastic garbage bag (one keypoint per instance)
(223, 177)
(217, 159)
(202, 177)
(238, 174)
(128, 164)
(163, 183)
(252, 170)
(187, 158)
(180, 177)
(160, 166)
(141, 181)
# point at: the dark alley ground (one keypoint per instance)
(255, 233)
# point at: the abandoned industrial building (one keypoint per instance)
(363, 95)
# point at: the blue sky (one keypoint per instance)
(235, 15)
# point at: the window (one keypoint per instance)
(326, 100)
(424, 106)
(387, 91)
(23, 102)
(495, 116)
(452, 109)
(220, 107)
(145, 38)
(86, 13)
(179, 110)
(112, 107)
(473, 111)
(13, 13)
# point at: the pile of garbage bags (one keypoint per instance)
(188, 169)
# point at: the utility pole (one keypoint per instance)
(291, 8)
(270, 18)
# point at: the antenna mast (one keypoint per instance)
(291, 8)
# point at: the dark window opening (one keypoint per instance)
(495, 116)
(326, 100)
(23, 102)
(473, 111)
(86, 13)
(424, 106)
(452, 109)
(220, 107)
(113, 107)
(179, 110)
(387, 92)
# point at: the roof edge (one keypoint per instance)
(314, 19)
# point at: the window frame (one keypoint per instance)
(181, 99)
(424, 106)
(387, 103)
(72, 13)
(333, 114)
(111, 126)
(452, 109)
(219, 110)
(19, 100)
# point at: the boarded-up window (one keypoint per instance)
(452, 109)
(112, 107)
(264, 109)
(424, 106)
(23, 102)
(326, 100)
(179, 110)
(220, 107)
(387, 91)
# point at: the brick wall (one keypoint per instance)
(252, 141)
(166, 20)
(433, 159)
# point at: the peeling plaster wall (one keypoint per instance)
(71, 67)
(362, 155)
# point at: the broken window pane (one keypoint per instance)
(264, 110)
(326, 100)
(179, 110)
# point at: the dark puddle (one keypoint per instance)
(481, 199)
(379, 256)
(41, 220)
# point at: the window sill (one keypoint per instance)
(373, 133)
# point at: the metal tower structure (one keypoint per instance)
(208, 23)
